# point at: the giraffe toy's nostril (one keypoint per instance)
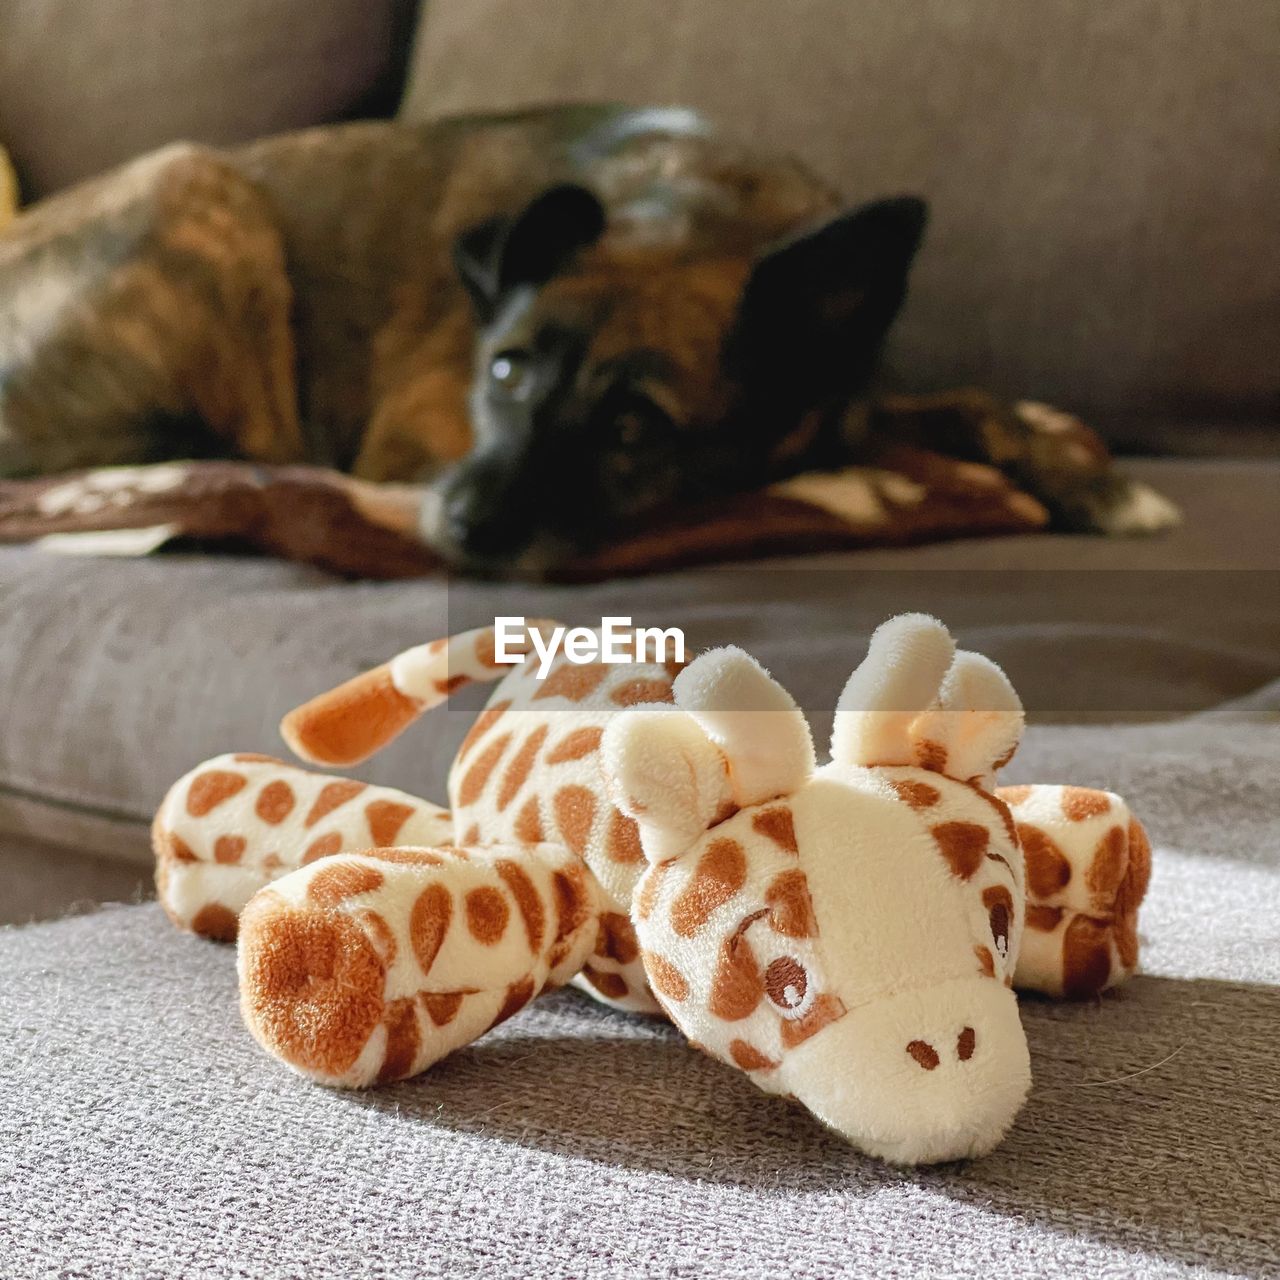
(966, 1043)
(924, 1054)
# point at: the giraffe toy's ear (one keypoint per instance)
(898, 679)
(978, 721)
(752, 719)
(662, 770)
(916, 700)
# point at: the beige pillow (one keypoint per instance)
(8, 190)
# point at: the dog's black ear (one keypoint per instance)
(818, 306)
(529, 248)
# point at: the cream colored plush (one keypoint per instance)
(846, 934)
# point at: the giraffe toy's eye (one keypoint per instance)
(787, 984)
(1000, 928)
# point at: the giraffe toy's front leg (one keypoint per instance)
(1088, 863)
(238, 822)
(365, 968)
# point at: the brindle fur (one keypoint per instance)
(296, 299)
(126, 303)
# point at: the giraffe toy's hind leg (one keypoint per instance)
(238, 822)
(1088, 863)
(365, 968)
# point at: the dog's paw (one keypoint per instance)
(1122, 508)
(1139, 509)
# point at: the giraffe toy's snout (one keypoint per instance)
(932, 1074)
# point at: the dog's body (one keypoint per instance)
(610, 299)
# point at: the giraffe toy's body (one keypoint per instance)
(847, 935)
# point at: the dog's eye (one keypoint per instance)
(512, 372)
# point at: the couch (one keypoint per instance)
(1099, 180)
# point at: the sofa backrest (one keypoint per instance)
(87, 83)
(1105, 178)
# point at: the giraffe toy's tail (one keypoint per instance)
(352, 722)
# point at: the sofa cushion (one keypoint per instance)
(85, 84)
(117, 676)
(1098, 174)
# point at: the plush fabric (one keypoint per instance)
(267, 821)
(847, 936)
(84, 86)
(1097, 178)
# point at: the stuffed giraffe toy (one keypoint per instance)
(847, 935)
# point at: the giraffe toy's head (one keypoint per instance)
(845, 934)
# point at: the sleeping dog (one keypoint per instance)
(563, 321)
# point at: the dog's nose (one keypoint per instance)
(478, 531)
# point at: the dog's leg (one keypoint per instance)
(1053, 455)
(139, 305)
(365, 968)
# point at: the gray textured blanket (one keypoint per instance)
(145, 1135)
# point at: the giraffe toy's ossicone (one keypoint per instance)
(847, 935)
